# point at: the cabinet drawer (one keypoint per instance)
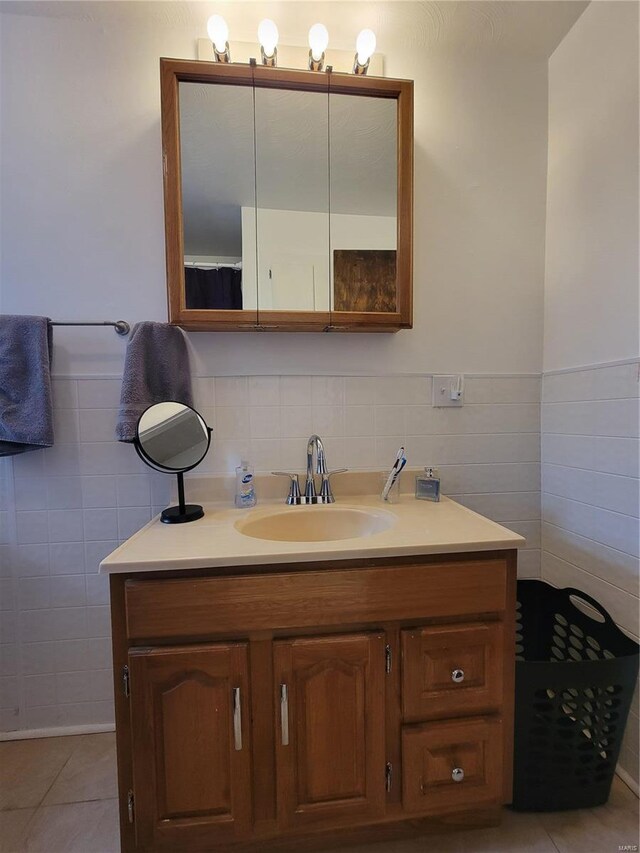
(451, 765)
(452, 670)
(215, 606)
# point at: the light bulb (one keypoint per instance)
(218, 32)
(318, 40)
(365, 46)
(268, 36)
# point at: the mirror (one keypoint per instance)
(288, 198)
(173, 438)
(292, 197)
(218, 194)
(364, 201)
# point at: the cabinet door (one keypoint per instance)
(452, 670)
(191, 750)
(451, 765)
(330, 740)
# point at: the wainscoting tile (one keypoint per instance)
(609, 564)
(264, 391)
(607, 491)
(295, 390)
(99, 393)
(596, 417)
(503, 389)
(231, 391)
(594, 453)
(609, 528)
(64, 393)
(87, 494)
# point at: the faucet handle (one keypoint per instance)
(294, 489)
(326, 495)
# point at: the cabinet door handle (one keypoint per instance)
(284, 714)
(237, 719)
(457, 676)
(457, 774)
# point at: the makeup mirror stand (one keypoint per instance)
(183, 512)
(173, 438)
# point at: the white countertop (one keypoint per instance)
(417, 527)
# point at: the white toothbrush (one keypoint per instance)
(398, 465)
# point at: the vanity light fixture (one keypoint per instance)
(365, 46)
(268, 38)
(318, 41)
(218, 32)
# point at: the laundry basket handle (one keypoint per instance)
(582, 596)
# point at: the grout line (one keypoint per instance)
(573, 434)
(544, 402)
(627, 780)
(485, 464)
(591, 470)
(453, 495)
(334, 375)
(550, 836)
(28, 824)
(56, 778)
(579, 468)
(602, 365)
(586, 435)
(78, 802)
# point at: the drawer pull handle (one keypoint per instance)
(237, 719)
(457, 676)
(457, 774)
(284, 714)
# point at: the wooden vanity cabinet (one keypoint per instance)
(190, 714)
(261, 708)
(330, 711)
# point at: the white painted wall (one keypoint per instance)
(590, 429)
(83, 217)
(591, 282)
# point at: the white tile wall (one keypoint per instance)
(591, 495)
(67, 507)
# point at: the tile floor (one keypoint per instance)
(58, 795)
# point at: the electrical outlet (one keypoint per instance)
(448, 391)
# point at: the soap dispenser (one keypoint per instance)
(428, 485)
(245, 488)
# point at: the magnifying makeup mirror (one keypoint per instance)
(173, 438)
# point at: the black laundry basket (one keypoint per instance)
(575, 676)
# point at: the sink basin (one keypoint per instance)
(316, 524)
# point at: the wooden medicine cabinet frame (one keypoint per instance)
(175, 71)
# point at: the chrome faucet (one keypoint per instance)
(310, 494)
(310, 486)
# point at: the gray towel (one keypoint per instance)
(26, 416)
(156, 370)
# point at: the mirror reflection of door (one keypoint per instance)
(218, 195)
(292, 198)
(364, 202)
